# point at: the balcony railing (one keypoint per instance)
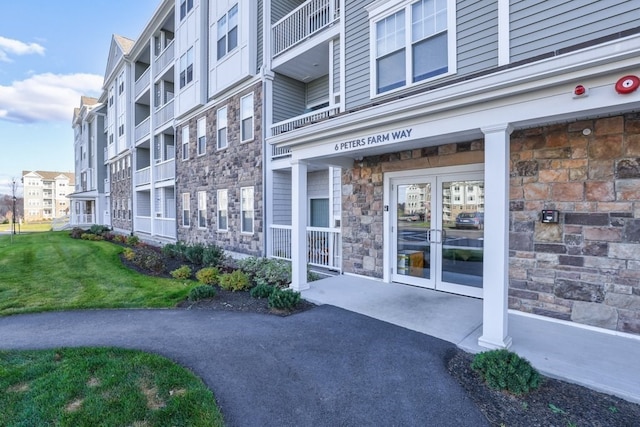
(304, 21)
(280, 152)
(165, 227)
(142, 223)
(163, 114)
(143, 176)
(323, 245)
(305, 119)
(78, 219)
(143, 129)
(143, 82)
(165, 170)
(113, 151)
(165, 58)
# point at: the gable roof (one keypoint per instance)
(49, 175)
(120, 46)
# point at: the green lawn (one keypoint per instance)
(103, 386)
(27, 227)
(51, 271)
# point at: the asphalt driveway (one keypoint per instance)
(322, 367)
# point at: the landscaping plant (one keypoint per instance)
(284, 299)
(234, 281)
(208, 275)
(182, 273)
(262, 291)
(505, 370)
(202, 292)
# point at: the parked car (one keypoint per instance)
(410, 218)
(470, 220)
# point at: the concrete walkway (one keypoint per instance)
(322, 367)
(602, 360)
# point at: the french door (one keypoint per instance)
(436, 229)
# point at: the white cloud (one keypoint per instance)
(46, 97)
(16, 47)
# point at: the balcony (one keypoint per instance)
(143, 129)
(165, 170)
(305, 119)
(143, 82)
(279, 152)
(165, 227)
(303, 22)
(112, 151)
(323, 245)
(163, 114)
(165, 58)
(142, 177)
(83, 219)
(142, 224)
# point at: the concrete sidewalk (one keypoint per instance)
(603, 360)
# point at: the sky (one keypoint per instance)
(51, 53)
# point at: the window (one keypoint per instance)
(185, 7)
(185, 142)
(202, 137)
(186, 212)
(246, 209)
(396, 63)
(186, 68)
(246, 113)
(222, 128)
(223, 203)
(228, 32)
(202, 209)
(319, 213)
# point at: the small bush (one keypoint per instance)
(77, 232)
(133, 240)
(212, 255)
(181, 273)
(89, 236)
(169, 250)
(194, 253)
(99, 229)
(262, 291)
(235, 281)
(148, 259)
(284, 299)
(128, 254)
(505, 370)
(119, 238)
(202, 292)
(208, 275)
(265, 271)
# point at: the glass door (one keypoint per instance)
(437, 231)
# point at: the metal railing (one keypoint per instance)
(307, 19)
(165, 170)
(165, 58)
(323, 245)
(163, 114)
(142, 176)
(143, 82)
(305, 119)
(143, 129)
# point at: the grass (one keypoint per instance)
(101, 386)
(27, 227)
(51, 271)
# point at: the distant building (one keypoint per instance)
(45, 194)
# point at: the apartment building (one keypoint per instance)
(526, 111)
(46, 194)
(88, 201)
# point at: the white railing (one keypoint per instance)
(304, 21)
(323, 245)
(165, 227)
(143, 129)
(83, 219)
(278, 152)
(305, 119)
(142, 223)
(165, 170)
(165, 58)
(163, 114)
(143, 82)
(142, 176)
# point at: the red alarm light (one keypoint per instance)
(627, 84)
(579, 90)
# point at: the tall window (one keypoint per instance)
(319, 213)
(186, 210)
(246, 209)
(221, 124)
(202, 138)
(202, 209)
(223, 203)
(186, 68)
(397, 64)
(185, 142)
(246, 116)
(227, 32)
(185, 7)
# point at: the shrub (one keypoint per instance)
(235, 281)
(119, 238)
(202, 292)
(212, 255)
(128, 254)
(133, 240)
(262, 291)
(208, 275)
(193, 253)
(284, 299)
(182, 273)
(89, 236)
(265, 271)
(148, 259)
(76, 233)
(169, 250)
(99, 229)
(505, 370)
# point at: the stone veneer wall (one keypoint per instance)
(586, 268)
(362, 197)
(121, 189)
(238, 165)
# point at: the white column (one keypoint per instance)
(299, 225)
(495, 328)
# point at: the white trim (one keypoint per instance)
(343, 67)
(504, 45)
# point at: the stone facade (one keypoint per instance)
(121, 194)
(236, 166)
(585, 268)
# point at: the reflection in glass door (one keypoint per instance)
(413, 246)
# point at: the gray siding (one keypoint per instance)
(280, 8)
(356, 53)
(281, 198)
(542, 27)
(336, 66)
(288, 98)
(259, 53)
(318, 91)
(318, 184)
